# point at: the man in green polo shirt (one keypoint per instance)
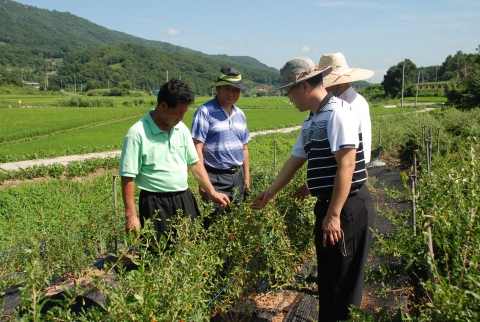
(157, 152)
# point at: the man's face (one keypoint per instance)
(227, 95)
(296, 94)
(173, 116)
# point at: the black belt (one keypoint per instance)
(222, 171)
(328, 196)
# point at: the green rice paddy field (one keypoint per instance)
(68, 130)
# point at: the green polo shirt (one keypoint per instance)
(156, 159)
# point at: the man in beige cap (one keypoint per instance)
(338, 82)
(330, 140)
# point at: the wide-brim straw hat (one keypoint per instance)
(298, 70)
(230, 77)
(341, 73)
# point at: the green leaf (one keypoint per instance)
(139, 297)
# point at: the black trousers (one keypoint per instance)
(340, 278)
(159, 207)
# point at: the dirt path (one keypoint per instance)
(64, 160)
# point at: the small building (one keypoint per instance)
(33, 85)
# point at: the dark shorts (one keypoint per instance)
(159, 207)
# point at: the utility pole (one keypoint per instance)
(403, 80)
(46, 79)
(458, 69)
(416, 95)
(167, 76)
(75, 82)
(435, 73)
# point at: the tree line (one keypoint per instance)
(457, 78)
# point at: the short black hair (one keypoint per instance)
(315, 80)
(175, 91)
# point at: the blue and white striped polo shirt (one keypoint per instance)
(223, 135)
(332, 128)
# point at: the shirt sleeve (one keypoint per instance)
(298, 150)
(343, 129)
(246, 137)
(131, 158)
(191, 155)
(200, 124)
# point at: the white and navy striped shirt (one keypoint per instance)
(332, 128)
(223, 135)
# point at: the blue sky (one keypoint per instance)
(371, 34)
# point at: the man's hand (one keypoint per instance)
(246, 188)
(301, 193)
(261, 200)
(132, 224)
(331, 229)
(202, 192)
(220, 198)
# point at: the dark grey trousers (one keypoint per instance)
(230, 184)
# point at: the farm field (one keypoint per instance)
(71, 222)
(31, 133)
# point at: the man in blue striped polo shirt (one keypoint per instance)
(330, 140)
(220, 134)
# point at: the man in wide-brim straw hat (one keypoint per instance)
(330, 141)
(220, 134)
(338, 82)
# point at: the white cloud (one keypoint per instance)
(236, 39)
(173, 31)
(305, 49)
(437, 38)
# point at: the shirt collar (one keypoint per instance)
(324, 102)
(348, 95)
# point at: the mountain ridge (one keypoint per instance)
(37, 28)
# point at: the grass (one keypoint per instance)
(433, 99)
(30, 123)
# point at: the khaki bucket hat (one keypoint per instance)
(341, 73)
(298, 70)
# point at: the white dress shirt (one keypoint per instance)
(360, 107)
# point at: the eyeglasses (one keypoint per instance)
(290, 90)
